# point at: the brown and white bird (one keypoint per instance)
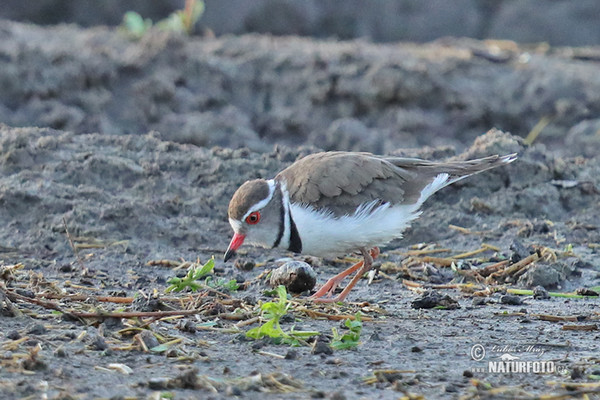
(335, 203)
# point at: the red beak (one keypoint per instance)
(236, 242)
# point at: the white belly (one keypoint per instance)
(324, 235)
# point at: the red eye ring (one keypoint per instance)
(253, 218)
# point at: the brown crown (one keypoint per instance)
(246, 196)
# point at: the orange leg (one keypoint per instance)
(329, 287)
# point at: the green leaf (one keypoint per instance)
(191, 278)
(351, 339)
(161, 348)
(135, 24)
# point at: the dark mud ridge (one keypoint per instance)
(140, 145)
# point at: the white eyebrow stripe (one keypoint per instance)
(264, 202)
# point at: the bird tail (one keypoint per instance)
(458, 170)
(447, 173)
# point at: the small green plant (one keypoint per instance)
(192, 280)
(351, 339)
(272, 311)
(135, 25)
(181, 21)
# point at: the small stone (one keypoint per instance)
(577, 373)
(37, 329)
(97, 342)
(296, 276)
(540, 293)
(244, 264)
(13, 335)
(432, 299)
(480, 301)
(66, 268)
(586, 292)
(467, 373)
(451, 388)
(149, 339)
(60, 352)
(26, 293)
(337, 396)
(186, 326)
(291, 355)
(215, 308)
(511, 300)
(233, 391)
(416, 349)
(321, 347)
(159, 383)
(519, 251)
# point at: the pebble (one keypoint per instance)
(97, 342)
(291, 355)
(149, 339)
(480, 301)
(296, 276)
(433, 299)
(337, 396)
(60, 352)
(37, 329)
(540, 293)
(13, 335)
(158, 383)
(233, 391)
(244, 264)
(511, 300)
(321, 348)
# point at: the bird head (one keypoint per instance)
(255, 214)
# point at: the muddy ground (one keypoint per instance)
(116, 154)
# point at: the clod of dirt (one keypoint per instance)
(97, 342)
(321, 346)
(147, 303)
(244, 264)
(187, 380)
(158, 383)
(149, 339)
(548, 276)
(296, 276)
(511, 300)
(186, 326)
(480, 301)
(519, 251)
(37, 329)
(433, 299)
(587, 292)
(13, 335)
(539, 293)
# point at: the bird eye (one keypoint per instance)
(253, 218)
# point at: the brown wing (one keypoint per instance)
(342, 181)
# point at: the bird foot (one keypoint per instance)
(323, 295)
(329, 287)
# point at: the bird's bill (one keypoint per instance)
(236, 242)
